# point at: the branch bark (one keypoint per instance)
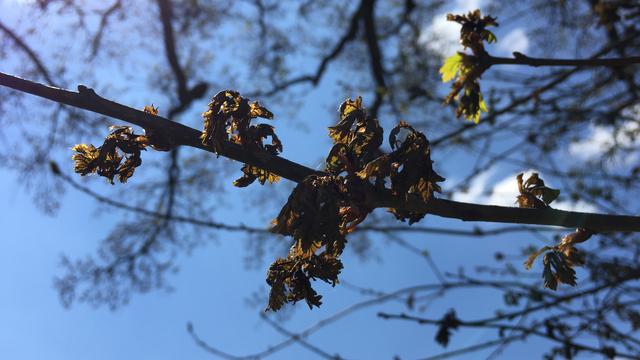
(181, 135)
(521, 59)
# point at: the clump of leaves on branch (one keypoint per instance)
(321, 210)
(229, 119)
(534, 193)
(106, 160)
(121, 144)
(466, 68)
(558, 260)
(325, 207)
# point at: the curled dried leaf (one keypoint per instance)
(151, 109)
(412, 172)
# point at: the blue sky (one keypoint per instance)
(213, 284)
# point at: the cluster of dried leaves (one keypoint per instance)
(558, 260)
(107, 160)
(467, 69)
(229, 119)
(121, 144)
(321, 210)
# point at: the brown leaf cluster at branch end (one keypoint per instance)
(321, 210)
(229, 119)
(559, 260)
(107, 160)
(467, 69)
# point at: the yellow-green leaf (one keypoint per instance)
(451, 67)
(483, 105)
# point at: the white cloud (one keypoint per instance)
(601, 138)
(443, 36)
(515, 40)
(505, 191)
(476, 190)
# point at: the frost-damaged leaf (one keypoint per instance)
(448, 323)
(534, 193)
(228, 118)
(557, 269)
(560, 259)
(106, 160)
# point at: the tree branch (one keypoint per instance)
(475, 231)
(525, 330)
(521, 59)
(30, 53)
(178, 134)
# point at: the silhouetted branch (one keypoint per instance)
(202, 344)
(474, 348)
(525, 330)
(347, 37)
(521, 59)
(178, 134)
(475, 232)
(104, 20)
(302, 342)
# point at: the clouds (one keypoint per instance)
(515, 40)
(442, 36)
(602, 138)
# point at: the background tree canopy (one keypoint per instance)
(179, 244)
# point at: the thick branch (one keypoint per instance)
(474, 232)
(521, 59)
(178, 134)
